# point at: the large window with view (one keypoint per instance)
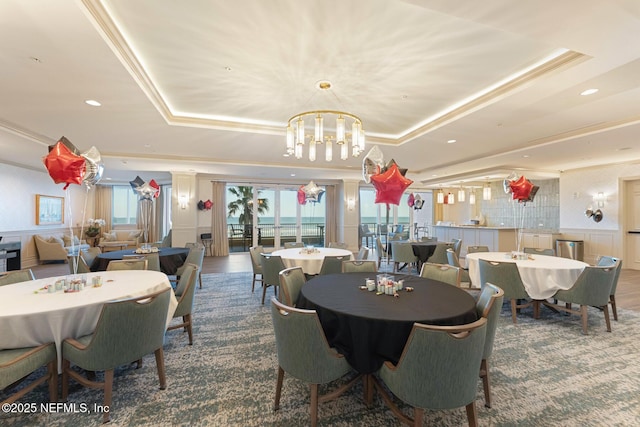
(124, 205)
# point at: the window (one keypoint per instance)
(124, 205)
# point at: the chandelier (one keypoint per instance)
(297, 135)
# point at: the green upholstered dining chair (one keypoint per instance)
(506, 276)
(442, 272)
(539, 251)
(440, 253)
(153, 260)
(185, 292)
(16, 276)
(438, 370)
(127, 264)
(452, 259)
(289, 245)
(359, 266)
(477, 248)
(457, 245)
(402, 252)
(337, 245)
(291, 281)
(77, 265)
(489, 305)
(90, 254)
(591, 288)
(303, 353)
(428, 239)
(381, 251)
(256, 265)
(195, 256)
(607, 261)
(363, 253)
(332, 264)
(17, 364)
(272, 265)
(126, 331)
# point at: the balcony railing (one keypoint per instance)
(241, 236)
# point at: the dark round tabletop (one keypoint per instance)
(368, 328)
(170, 259)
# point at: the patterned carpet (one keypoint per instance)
(544, 373)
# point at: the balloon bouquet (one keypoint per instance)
(148, 192)
(310, 193)
(67, 165)
(389, 180)
(523, 191)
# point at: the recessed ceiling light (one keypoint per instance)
(525, 156)
(293, 174)
(92, 102)
(451, 141)
(147, 145)
(588, 92)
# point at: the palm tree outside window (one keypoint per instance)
(243, 207)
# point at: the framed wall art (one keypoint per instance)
(49, 210)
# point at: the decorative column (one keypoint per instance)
(184, 208)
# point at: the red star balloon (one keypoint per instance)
(411, 200)
(302, 198)
(208, 204)
(521, 189)
(390, 185)
(155, 185)
(64, 166)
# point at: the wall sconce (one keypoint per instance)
(486, 192)
(351, 204)
(461, 195)
(472, 197)
(599, 199)
(182, 201)
(440, 197)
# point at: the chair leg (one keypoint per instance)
(606, 317)
(484, 374)
(108, 392)
(189, 330)
(253, 282)
(314, 405)
(472, 415)
(264, 291)
(162, 376)
(418, 415)
(52, 373)
(583, 315)
(276, 403)
(200, 278)
(514, 310)
(612, 301)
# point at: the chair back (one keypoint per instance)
(193, 245)
(504, 275)
(127, 264)
(457, 244)
(77, 265)
(272, 265)
(489, 306)
(16, 276)
(442, 272)
(428, 239)
(338, 245)
(440, 254)
(291, 281)
(402, 252)
(480, 248)
(609, 261)
(439, 366)
(303, 351)
(359, 267)
(90, 254)
(166, 240)
(380, 248)
(539, 251)
(363, 253)
(153, 260)
(289, 245)
(127, 330)
(333, 264)
(592, 287)
(256, 263)
(185, 290)
(452, 258)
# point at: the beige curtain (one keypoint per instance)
(219, 220)
(102, 205)
(438, 211)
(155, 227)
(331, 228)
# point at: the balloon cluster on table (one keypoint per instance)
(415, 201)
(205, 206)
(522, 189)
(389, 180)
(66, 164)
(310, 193)
(146, 190)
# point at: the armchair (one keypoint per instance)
(185, 291)
(16, 276)
(291, 281)
(443, 272)
(17, 364)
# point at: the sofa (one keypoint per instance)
(58, 247)
(131, 238)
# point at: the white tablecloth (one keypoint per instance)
(30, 316)
(542, 275)
(310, 263)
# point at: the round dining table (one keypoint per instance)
(30, 315)
(170, 259)
(368, 328)
(311, 262)
(542, 275)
